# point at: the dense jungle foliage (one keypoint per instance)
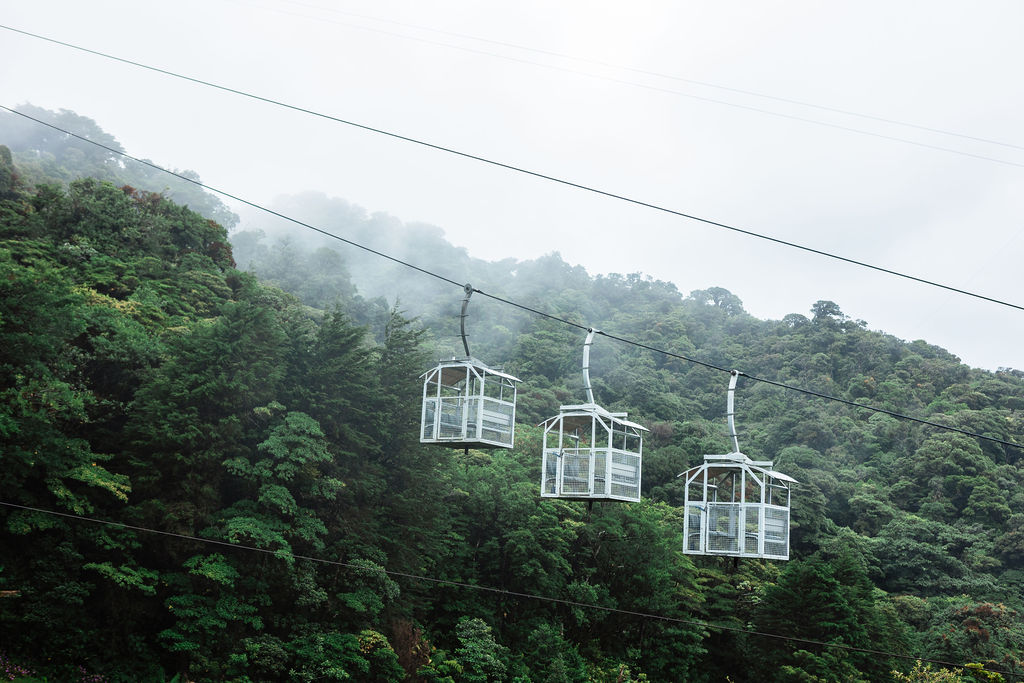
(270, 408)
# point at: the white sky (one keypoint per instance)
(456, 73)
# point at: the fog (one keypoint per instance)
(607, 96)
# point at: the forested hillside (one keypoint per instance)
(251, 431)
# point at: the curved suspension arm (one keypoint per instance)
(730, 412)
(586, 364)
(462, 317)
(730, 416)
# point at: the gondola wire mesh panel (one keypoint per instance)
(776, 531)
(723, 528)
(576, 473)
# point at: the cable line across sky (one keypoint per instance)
(281, 554)
(528, 172)
(428, 272)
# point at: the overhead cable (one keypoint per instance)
(282, 554)
(535, 174)
(509, 302)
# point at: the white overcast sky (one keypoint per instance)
(640, 99)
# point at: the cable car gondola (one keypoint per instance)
(467, 404)
(736, 506)
(589, 453)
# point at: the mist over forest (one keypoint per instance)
(245, 395)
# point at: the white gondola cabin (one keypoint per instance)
(736, 506)
(589, 453)
(467, 404)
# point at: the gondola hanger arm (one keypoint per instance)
(462, 317)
